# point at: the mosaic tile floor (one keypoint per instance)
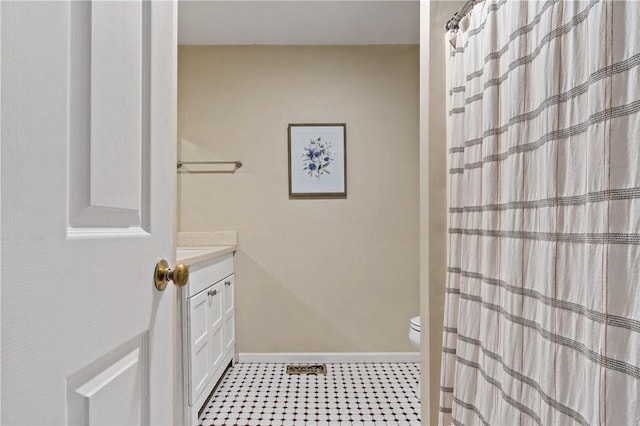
(350, 394)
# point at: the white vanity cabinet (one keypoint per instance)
(207, 331)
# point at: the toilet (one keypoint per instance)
(414, 338)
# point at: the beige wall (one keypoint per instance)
(313, 275)
(433, 192)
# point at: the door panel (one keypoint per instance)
(109, 115)
(88, 184)
(94, 394)
(229, 295)
(229, 304)
(199, 343)
(117, 62)
(215, 326)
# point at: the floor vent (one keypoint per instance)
(307, 369)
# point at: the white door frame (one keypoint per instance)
(0, 219)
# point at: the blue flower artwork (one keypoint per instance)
(317, 160)
(317, 157)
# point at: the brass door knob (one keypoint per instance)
(162, 275)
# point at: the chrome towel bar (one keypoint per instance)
(237, 164)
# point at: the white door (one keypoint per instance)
(88, 172)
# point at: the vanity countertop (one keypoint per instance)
(195, 254)
(195, 247)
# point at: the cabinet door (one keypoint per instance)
(216, 312)
(200, 347)
(229, 313)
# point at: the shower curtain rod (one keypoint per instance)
(453, 23)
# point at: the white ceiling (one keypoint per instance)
(298, 22)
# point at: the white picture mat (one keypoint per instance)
(301, 182)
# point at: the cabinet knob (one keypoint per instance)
(227, 283)
(212, 292)
(162, 275)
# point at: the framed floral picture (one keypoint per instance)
(317, 160)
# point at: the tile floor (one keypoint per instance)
(350, 394)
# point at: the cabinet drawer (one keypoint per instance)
(207, 273)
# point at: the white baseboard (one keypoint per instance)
(328, 357)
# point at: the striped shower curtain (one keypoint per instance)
(542, 315)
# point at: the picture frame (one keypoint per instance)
(317, 160)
